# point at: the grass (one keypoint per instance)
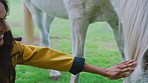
(100, 48)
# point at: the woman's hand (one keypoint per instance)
(121, 70)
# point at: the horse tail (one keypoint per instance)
(28, 25)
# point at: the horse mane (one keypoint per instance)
(134, 18)
(133, 15)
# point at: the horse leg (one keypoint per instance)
(44, 28)
(39, 21)
(54, 74)
(79, 24)
(47, 25)
(28, 25)
(43, 24)
(48, 20)
(118, 33)
(79, 28)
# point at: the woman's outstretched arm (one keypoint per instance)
(118, 71)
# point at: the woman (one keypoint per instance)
(13, 52)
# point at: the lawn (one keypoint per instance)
(100, 48)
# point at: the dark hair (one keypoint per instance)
(6, 67)
(5, 3)
(7, 70)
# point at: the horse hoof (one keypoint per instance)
(55, 75)
(56, 78)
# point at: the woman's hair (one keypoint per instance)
(7, 70)
(6, 67)
(5, 3)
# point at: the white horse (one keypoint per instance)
(133, 15)
(80, 13)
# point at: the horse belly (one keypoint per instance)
(54, 8)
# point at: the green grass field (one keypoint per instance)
(100, 48)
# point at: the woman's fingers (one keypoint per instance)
(121, 76)
(126, 64)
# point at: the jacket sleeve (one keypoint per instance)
(77, 65)
(48, 58)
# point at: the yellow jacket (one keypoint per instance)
(46, 58)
